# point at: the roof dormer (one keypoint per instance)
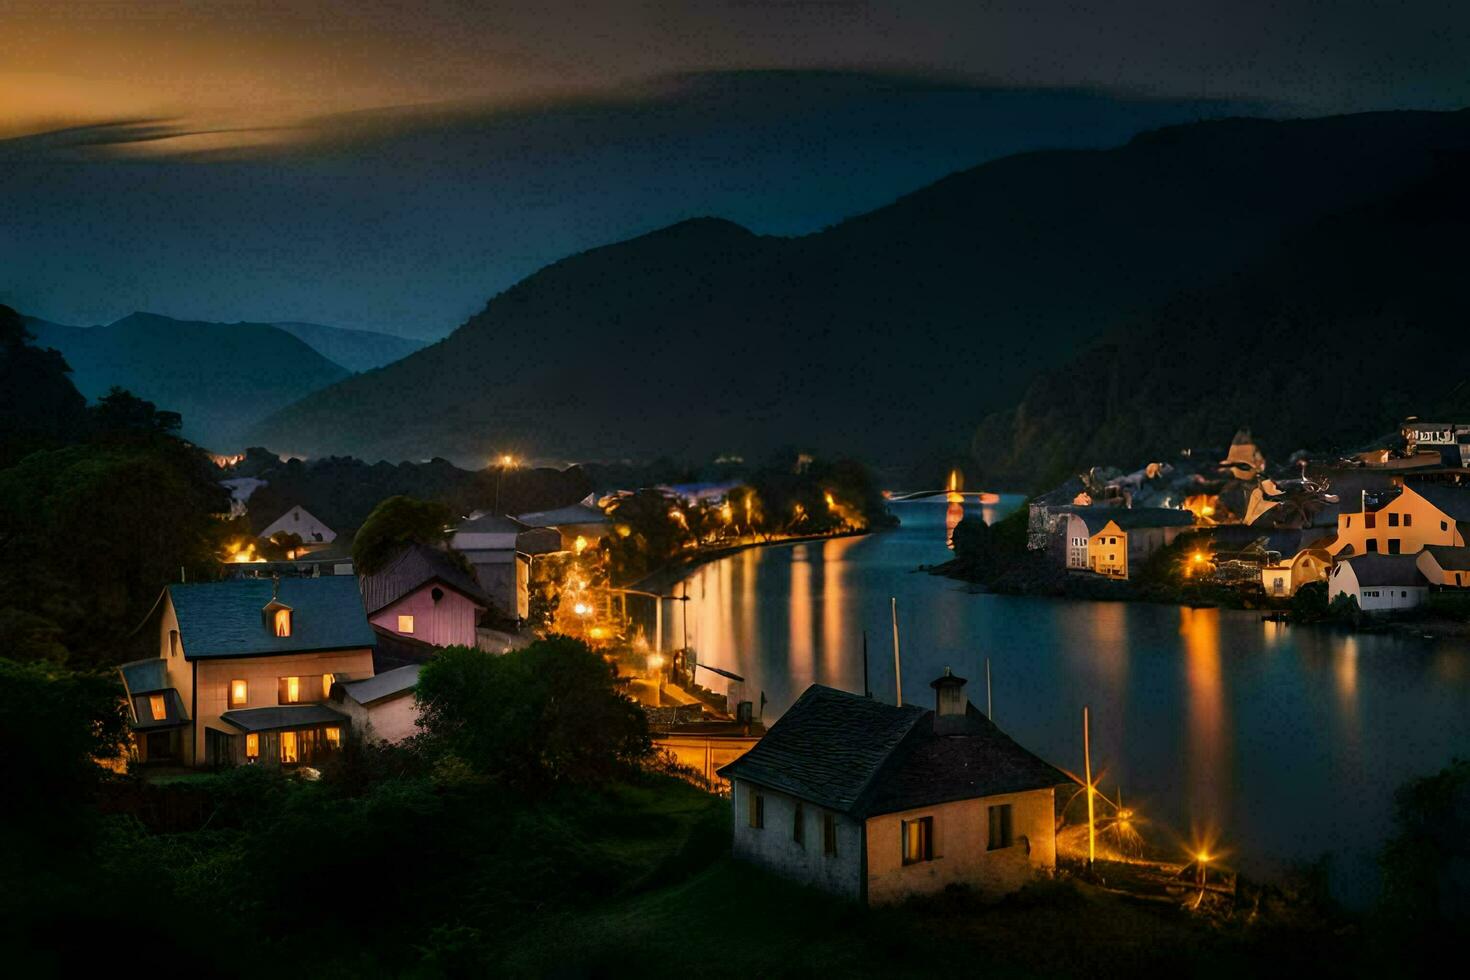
(276, 615)
(950, 705)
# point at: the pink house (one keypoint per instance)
(426, 596)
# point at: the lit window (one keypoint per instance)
(290, 689)
(334, 737)
(1000, 827)
(327, 681)
(239, 693)
(252, 746)
(757, 810)
(798, 825)
(405, 624)
(283, 622)
(829, 834)
(159, 707)
(288, 747)
(918, 840)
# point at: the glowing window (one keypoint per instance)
(288, 747)
(334, 737)
(252, 746)
(239, 693)
(283, 622)
(405, 624)
(159, 708)
(327, 681)
(918, 840)
(290, 689)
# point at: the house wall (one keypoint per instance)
(262, 676)
(961, 855)
(1438, 577)
(1426, 524)
(505, 577)
(1076, 543)
(299, 521)
(1373, 598)
(393, 720)
(1107, 552)
(447, 622)
(774, 848)
(180, 673)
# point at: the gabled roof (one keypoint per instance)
(1132, 518)
(381, 687)
(414, 567)
(1454, 501)
(827, 747)
(174, 713)
(223, 619)
(283, 716)
(1374, 569)
(492, 524)
(575, 514)
(145, 676)
(859, 756)
(1449, 558)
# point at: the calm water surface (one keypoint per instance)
(1279, 743)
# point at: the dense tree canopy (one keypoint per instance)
(39, 406)
(395, 523)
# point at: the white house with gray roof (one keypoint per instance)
(878, 803)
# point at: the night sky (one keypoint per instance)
(391, 165)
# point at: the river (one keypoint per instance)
(1274, 744)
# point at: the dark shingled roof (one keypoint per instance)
(414, 567)
(827, 747)
(1449, 558)
(143, 676)
(283, 716)
(1132, 518)
(858, 756)
(1375, 569)
(224, 619)
(573, 515)
(493, 524)
(393, 650)
(380, 687)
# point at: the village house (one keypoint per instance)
(244, 671)
(1444, 567)
(1380, 583)
(877, 803)
(501, 550)
(425, 595)
(1403, 523)
(314, 534)
(381, 707)
(581, 525)
(1450, 441)
(1112, 541)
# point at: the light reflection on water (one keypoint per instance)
(1287, 741)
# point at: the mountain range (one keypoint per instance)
(892, 334)
(221, 377)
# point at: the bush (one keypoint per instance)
(1310, 601)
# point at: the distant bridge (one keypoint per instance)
(973, 496)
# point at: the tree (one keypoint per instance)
(395, 523)
(1426, 864)
(551, 712)
(39, 405)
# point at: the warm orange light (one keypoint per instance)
(579, 545)
(655, 661)
(581, 609)
(239, 693)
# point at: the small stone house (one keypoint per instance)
(878, 803)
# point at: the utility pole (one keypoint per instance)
(1087, 774)
(897, 663)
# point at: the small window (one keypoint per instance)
(1000, 827)
(288, 747)
(405, 624)
(829, 834)
(1349, 522)
(1393, 546)
(918, 840)
(282, 620)
(1373, 546)
(252, 746)
(1404, 595)
(1370, 520)
(1444, 525)
(173, 643)
(334, 737)
(327, 681)
(239, 693)
(1393, 520)
(158, 707)
(1408, 520)
(290, 690)
(798, 825)
(757, 809)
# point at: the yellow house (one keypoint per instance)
(1110, 541)
(1422, 514)
(1445, 567)
(245, 670)
(877, 803)
(1284, 578)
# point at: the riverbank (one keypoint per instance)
(655, 581)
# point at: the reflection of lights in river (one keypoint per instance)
(1206, 749)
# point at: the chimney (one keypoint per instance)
(950, 704)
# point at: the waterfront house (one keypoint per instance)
(877, 803)
(244, 671)
(381, 707)
(425, 594)
(1380, 583)
(1444, 567)
(1112, 541)
(1286, 574)
(1403, 523)
(581, 525)
(1450, 441)
(299, 521)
